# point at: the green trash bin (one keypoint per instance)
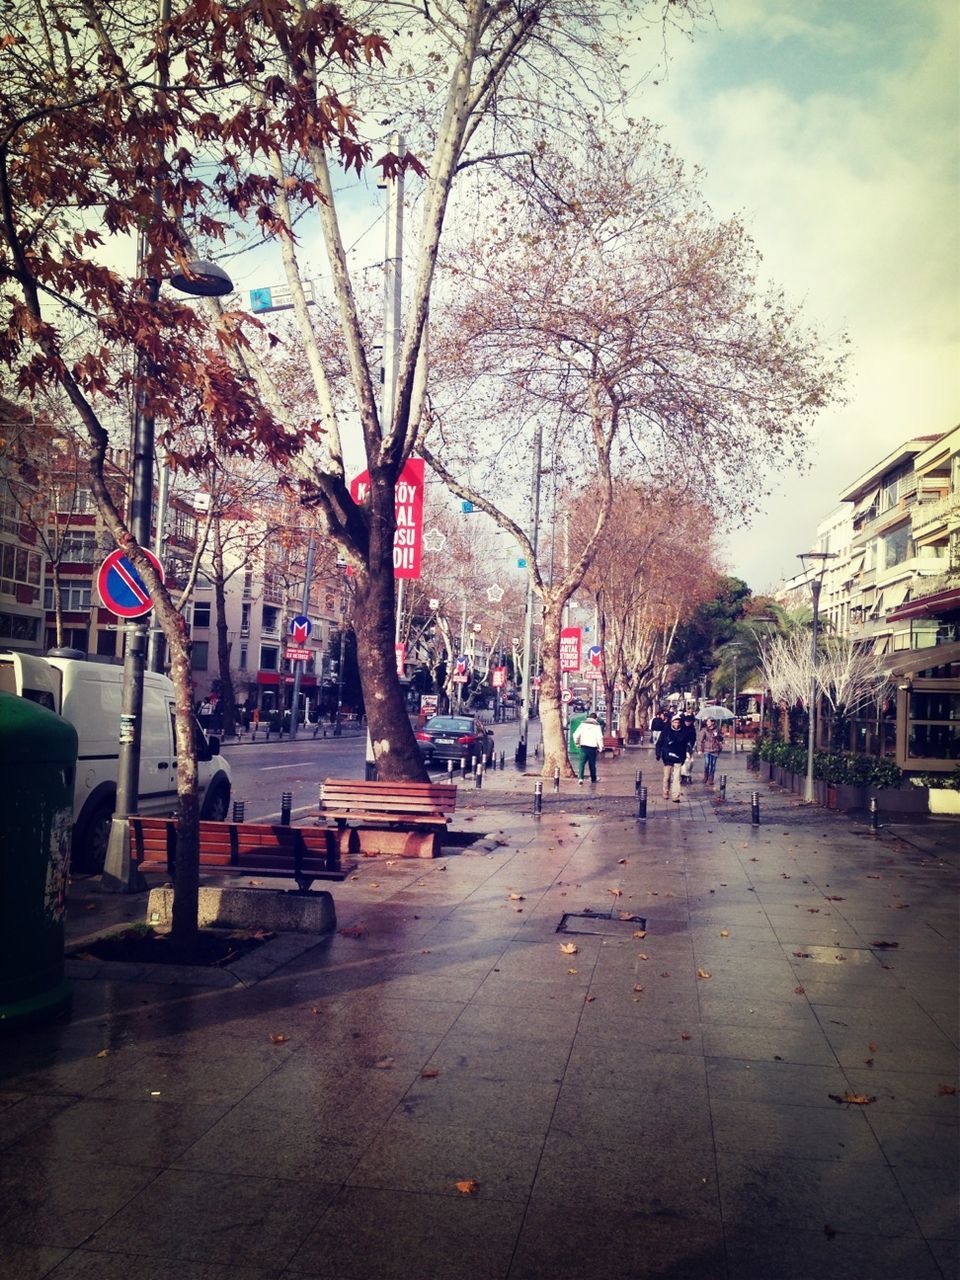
(575, 723)
(38, 762)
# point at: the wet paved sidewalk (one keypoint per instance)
(662, 1105)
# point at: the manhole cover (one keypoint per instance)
(609, 924)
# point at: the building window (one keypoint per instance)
(73, 598)
(199, 655)
(13, 626)
(18, 566)
(896, 546)
(243, 657)
(892, 484)
(184, 526)
(201, 613)
(271, 619)
(269, 655)
(9, 509)
(245, 619)
(107, 644)
(79, 546)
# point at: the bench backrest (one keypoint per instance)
(344, 794)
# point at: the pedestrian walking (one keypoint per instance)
(690, 729)
(711, 744)
(672, 752)
(588, 737)
(657, 726)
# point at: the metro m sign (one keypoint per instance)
(408, 537)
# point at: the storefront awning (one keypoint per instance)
(910, 660)
(866, 502)
(932, 606)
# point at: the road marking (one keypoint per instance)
(268, 768)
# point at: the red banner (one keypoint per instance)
(408, 538)
(570, 649)
(498, 677)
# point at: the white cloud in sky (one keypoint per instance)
(833, 131)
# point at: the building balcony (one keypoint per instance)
(927, 516)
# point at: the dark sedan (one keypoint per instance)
(455, 738)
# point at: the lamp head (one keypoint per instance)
(203, 279)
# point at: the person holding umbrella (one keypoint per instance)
(711, 744)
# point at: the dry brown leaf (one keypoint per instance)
(314, 1010)
(702, 973)
(947, 1090)
(279, 1038)
(885, 946)
(684, 1036)
(872, 1046)
(590, 999)
(467, 1187)
(854, 1099)
(643, 956)
(639, 933)
(638, 987)
(724, 933)
(429, 1073)
(573, 971)
(384, 1063)
(569, 948)
(621, 861)
(665, 974)
(617, 893)
(353, 931)
(517, 897)
(799, 991)
(104, 1053)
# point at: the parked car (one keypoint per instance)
(455, 738)
(89, 695)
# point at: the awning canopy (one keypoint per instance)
(910, 660)
(894, 595)
(866, 502)
(932, 606)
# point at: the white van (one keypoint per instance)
(88, 694)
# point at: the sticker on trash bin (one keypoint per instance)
(58, 866)
(128, 725)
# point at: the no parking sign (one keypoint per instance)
(121, 588)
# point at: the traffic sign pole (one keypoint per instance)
(298, 665)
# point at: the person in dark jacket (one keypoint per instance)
(690, 729)
(657, 726)
(672, 750)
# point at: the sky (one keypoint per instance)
(833, 131)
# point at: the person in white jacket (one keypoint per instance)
(588, 737)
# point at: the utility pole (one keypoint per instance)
(298, 664)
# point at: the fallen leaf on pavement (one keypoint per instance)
(639, 933)
(702, 973)
(724, 933)
(872, 877)
(617, 893)
(429, 1073)
(517, 897)
(104, 1053)
(799, 991)
(684, 1036)
(814, 911)
(665, 974)
(947, 1090)
(569, 948)
(832, 897)
(384, 1063)
(621, 861)
(872, 1046)
(590, 999)
(802, 955)
(573, 971)
(643, 956)
(854, 1099)
(279, 1038)
(353, 931)
(883, 946)
(467, 1187)
(638, 987)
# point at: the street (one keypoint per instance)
(262, 770)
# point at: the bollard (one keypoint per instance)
(723, 787)
(538, 798)
(556, 778)
(638, 781)
(503, 759)
(874, 813)
(239, 809)
(642, 804)
(479, 775)
(755, 808)
(449, 770)
(286, 803)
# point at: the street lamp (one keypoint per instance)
(816, 567)
(120, 875)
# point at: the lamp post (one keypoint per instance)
(816, 567)
(762, 646)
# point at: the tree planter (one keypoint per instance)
(851, 797)
(943, 800)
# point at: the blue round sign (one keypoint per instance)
(121, 588)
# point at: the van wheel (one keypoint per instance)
(217, 803)
(90, 852)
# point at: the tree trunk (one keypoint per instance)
(551, 724)
(394, 745)
(184, 931)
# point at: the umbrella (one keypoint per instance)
(714, 713)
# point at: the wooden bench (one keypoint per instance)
(303, 854)
(612, 745)
(405, 819)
